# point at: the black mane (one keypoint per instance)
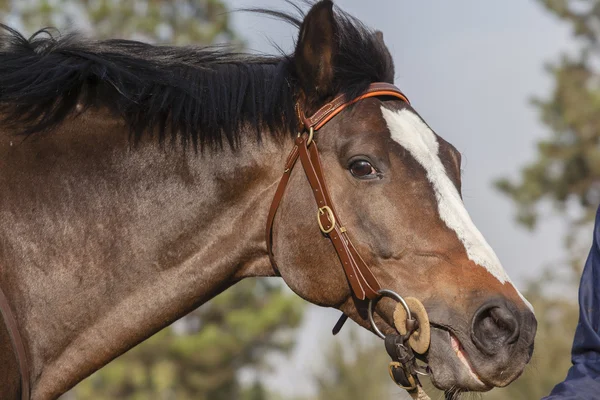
(197, 95)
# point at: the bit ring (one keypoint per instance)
(390, 294)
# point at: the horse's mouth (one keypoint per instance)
(447, 363)
(449, 366)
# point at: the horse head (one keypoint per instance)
(396, 185)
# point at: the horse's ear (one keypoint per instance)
(389, 61)
(315, 50)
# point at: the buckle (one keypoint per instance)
(311, 133)
(401, 376)
(330, 216)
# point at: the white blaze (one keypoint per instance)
(414, 135)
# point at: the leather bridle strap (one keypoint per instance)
(17, 342)
(362, 281)
(335, 106)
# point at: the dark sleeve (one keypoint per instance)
(583, 379)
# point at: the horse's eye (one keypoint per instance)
(362, 169)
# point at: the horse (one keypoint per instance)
(137, 181)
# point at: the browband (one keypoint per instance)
(335, 106)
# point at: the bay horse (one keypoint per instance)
(136, 182)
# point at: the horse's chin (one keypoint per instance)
(449, 365)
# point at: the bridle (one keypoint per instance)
(17, 342)
(363, 283)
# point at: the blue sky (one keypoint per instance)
(470, 68)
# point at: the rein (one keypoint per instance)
(17, 342)
(414, 332)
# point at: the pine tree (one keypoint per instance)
(565, 173)
(567, 169)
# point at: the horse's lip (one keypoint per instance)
(461, 356)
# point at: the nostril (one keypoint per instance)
(506, 323)
(493, 327)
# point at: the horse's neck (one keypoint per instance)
(102, 246)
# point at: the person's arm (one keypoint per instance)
(583, 379)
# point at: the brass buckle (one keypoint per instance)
(411, 379)
(330, 216)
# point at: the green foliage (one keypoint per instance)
(358, 374)
(202, 358)
(566, 173)
(355, 368)
(160, 21)
(567, 169)
(256, 392)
